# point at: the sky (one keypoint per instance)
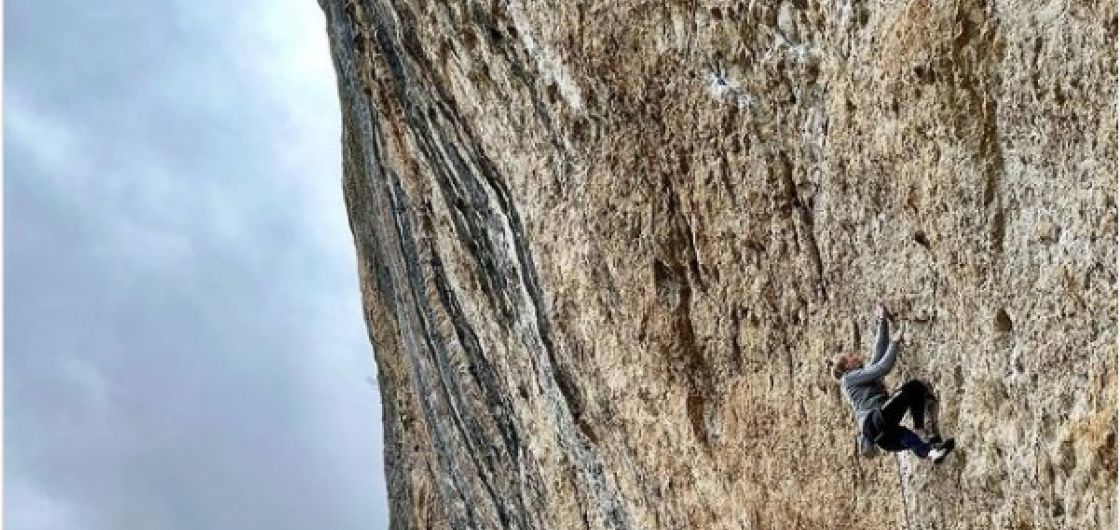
(183, 339)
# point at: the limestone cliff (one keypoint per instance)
(608, 248)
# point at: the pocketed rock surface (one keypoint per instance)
(607, 251)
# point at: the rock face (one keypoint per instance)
(608, 249)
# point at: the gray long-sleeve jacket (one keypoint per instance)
(864, 386)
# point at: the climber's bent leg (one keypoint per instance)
(909, 397)
(897, 438)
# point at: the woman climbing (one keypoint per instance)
(878, 414)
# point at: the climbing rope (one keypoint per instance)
(902, 490)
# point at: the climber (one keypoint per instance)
(877, 413)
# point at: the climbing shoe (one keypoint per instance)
(941, 450)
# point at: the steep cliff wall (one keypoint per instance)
(607, 250)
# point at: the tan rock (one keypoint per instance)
(608, 249)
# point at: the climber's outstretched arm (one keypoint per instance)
(877, 369)
(882, 339)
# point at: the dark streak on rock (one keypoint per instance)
(679, 251)
(806, 229)
(464, 175)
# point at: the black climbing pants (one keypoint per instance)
(883, 425)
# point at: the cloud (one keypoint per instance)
(37, 510)
(184, 345)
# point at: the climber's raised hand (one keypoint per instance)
(881, 311)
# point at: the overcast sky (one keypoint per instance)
(183, 341)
